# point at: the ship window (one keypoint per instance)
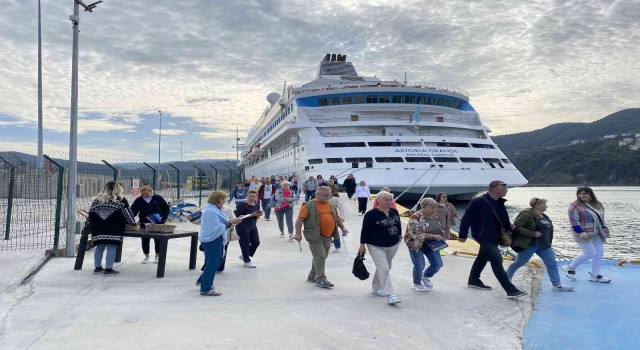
(389, 159)
(446, 159)
(452, 144)
(334, 101)
(372, 99)
(481, 145)
(440, 119)
(505, 161)
(409, 99)
(358, 160)
(396, 99)
(334, 160)
(344, 144)
(385, 99)
(359, 99)
(421, 100)
(431, 101)
(345, 100)
(491, 160)
(384, 144)
(315, 161)
(354, 117)
(470, 160)
(418, 159)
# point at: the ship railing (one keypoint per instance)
(428, 86)
(421, 132)
(407, 119)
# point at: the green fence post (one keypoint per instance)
(115, 170)
(12, 177)
(154, 174)
(178, 180)
(200, 175)
(215, 174)
(230, 178)
(56, 235)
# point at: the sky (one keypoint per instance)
(209, 64)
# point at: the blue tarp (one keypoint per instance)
(594, 316)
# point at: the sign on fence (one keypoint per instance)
(135, 187)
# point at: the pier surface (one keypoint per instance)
(269, 307)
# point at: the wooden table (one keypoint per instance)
(163, 240)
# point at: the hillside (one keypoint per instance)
(545, 157)
(624, 121)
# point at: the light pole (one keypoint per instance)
(73, 129)
(40, 141)
(180, 151)
(159, 141)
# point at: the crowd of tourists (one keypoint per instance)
(322, 216)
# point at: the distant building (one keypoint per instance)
(626, 135)
(610, 136)
(579, 141)
(634, 147)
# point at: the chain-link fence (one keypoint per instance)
(33, 200)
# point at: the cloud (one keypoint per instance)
(208, 65)
(166, 132)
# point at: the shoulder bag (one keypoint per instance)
(504, 238)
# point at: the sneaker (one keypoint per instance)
(392, 299)
(598, 278)
(420, 287)
(111, 272)
(241, 258)
(290, 236)
(157, 259)
(515, 295)
(562, 288)
(427, 282)
(250, 265)
(146, 260)
(267, 219)
(479, 285)
(98, 270)
(569, 272)
(324, 284)
(211, 293)
(281, 234)
(378, 292)
(311, 279)
(337, 250)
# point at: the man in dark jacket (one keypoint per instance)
(485, 215)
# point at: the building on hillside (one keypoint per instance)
(610, 136)
(576, 142)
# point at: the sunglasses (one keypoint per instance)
(505, 185)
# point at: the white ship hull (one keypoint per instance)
(414, 139)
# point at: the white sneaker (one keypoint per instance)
(291, 236)
(562, 288)
(598, 278)
(392, 299)
(146, 260)
(420, 287)
(427, 282)
(569, 272)
(337, 250)
(250, 265)
(281, 234)
(378, 292)
(157, 259)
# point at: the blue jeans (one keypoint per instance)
(111, 255)
(546, 254)
(212, 256)
(417, 257)
(266, 208)
(285, 213)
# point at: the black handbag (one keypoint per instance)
(359, 269)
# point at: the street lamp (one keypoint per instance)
(72, 178)
(159, 140)
(180, 151)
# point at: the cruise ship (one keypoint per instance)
(416, 139)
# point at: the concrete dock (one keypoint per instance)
(269, 307)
